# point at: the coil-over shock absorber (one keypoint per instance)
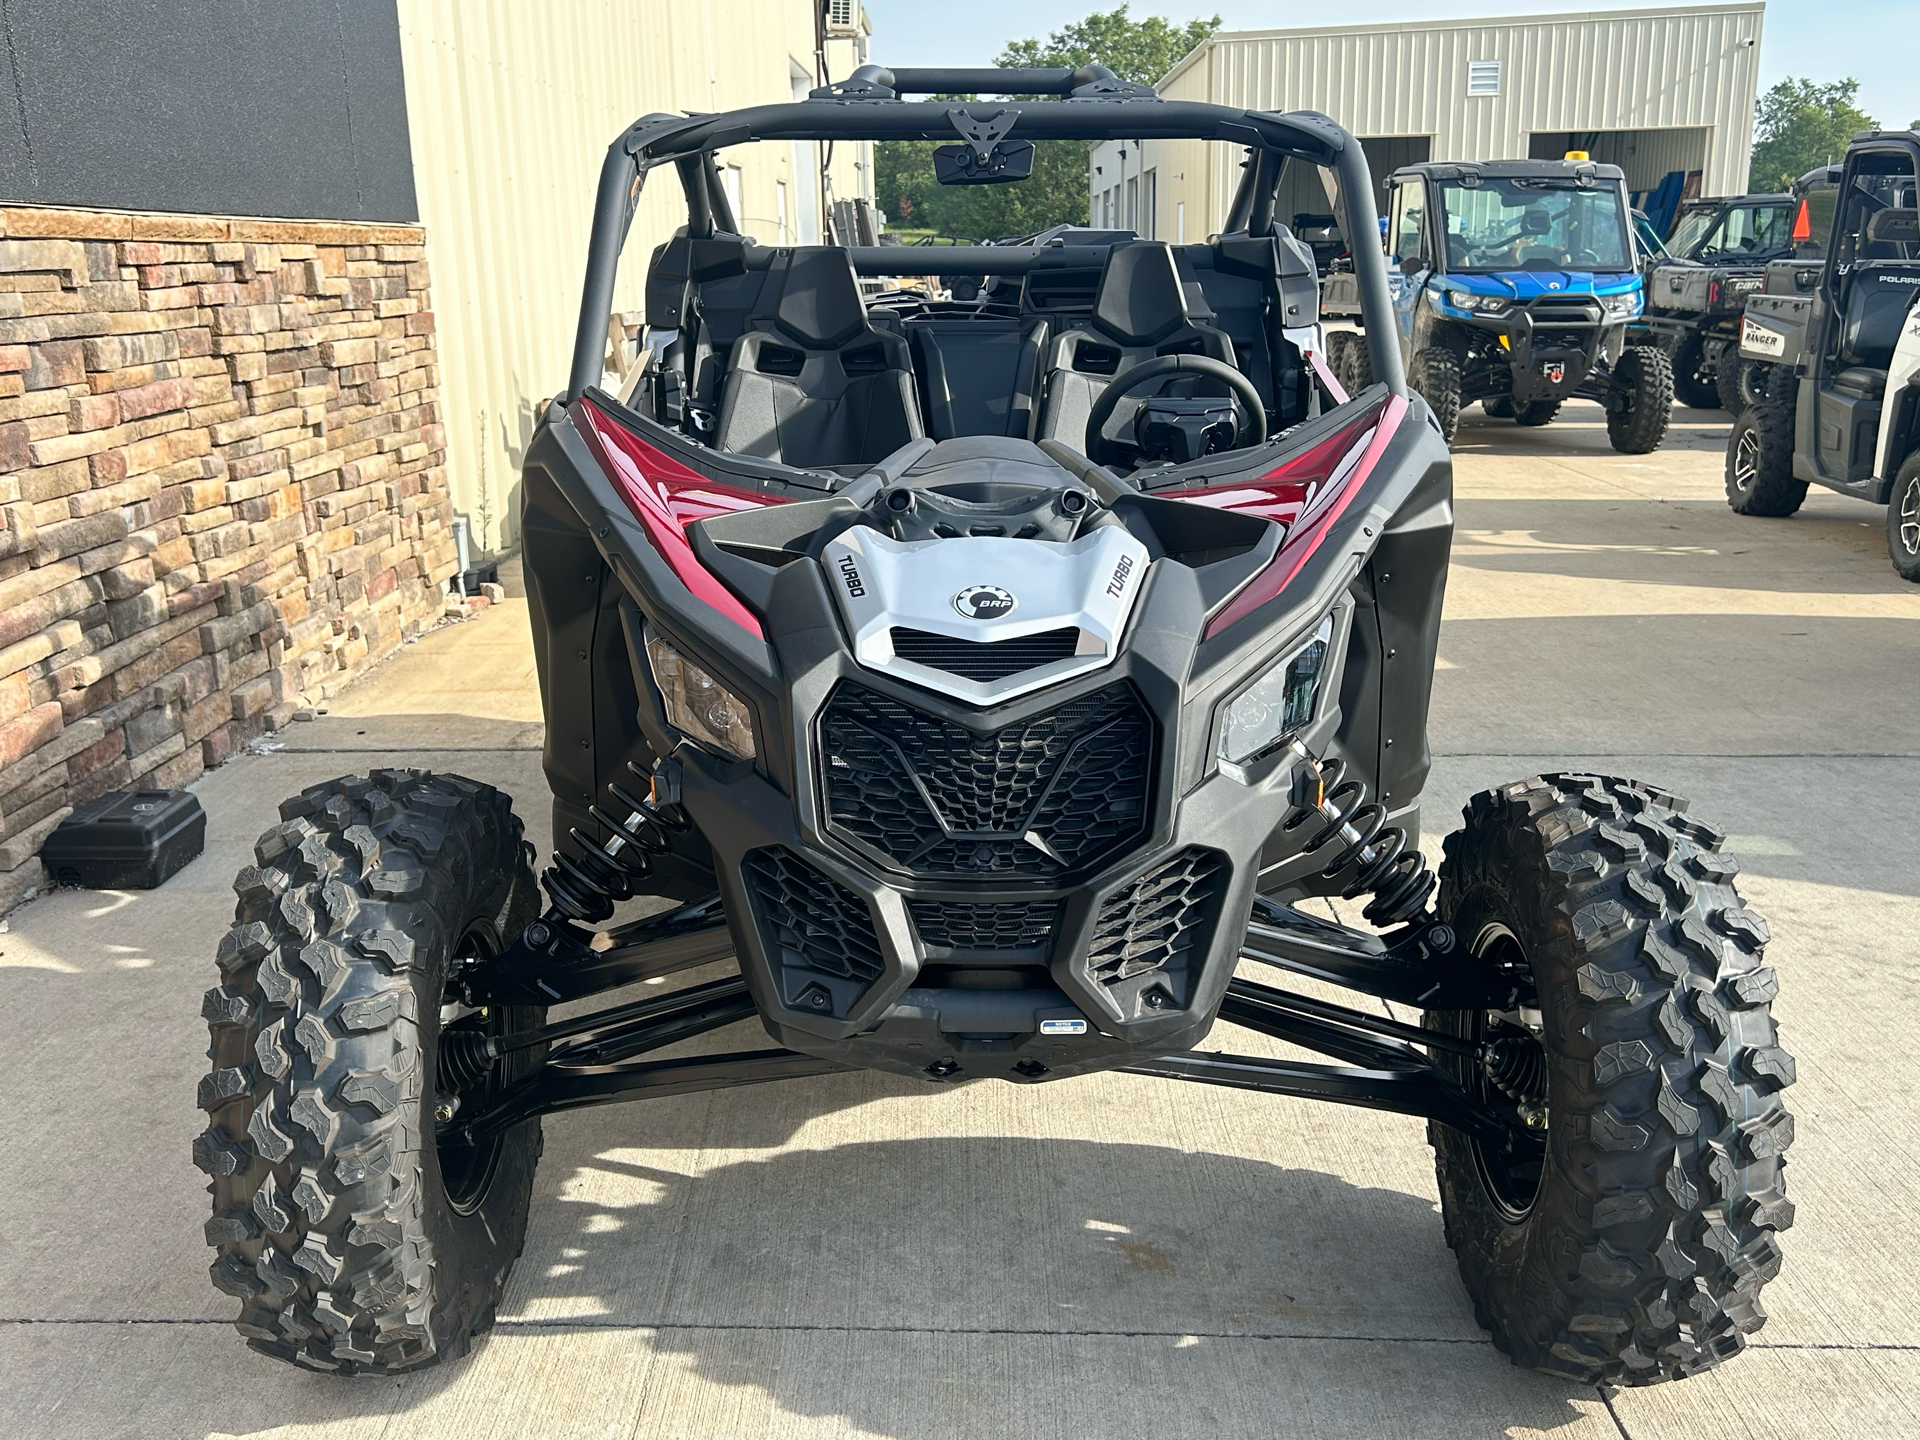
(1373, 857)
(588, 887)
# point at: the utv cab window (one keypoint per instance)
(1750, 230)
(1528, 224)
(1409, 235)
(1882, 183)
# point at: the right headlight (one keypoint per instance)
(699, 706)
(1277, 704)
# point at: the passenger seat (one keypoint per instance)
(813, 384)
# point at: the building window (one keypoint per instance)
(1483, 77)
(1133, 204)
(1149, 213)
(1180, 222)
(730, 184)
(780, 211)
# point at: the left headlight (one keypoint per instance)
(1623, 306)
(699, 706)
(1275, 705)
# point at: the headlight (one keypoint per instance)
(1275, 705)
(1476, 304)
(698, 706)
(1623, 306)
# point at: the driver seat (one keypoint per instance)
(1141, 311)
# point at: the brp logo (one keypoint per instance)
(1555, 371)
(983, 602)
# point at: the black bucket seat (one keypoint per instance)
(1141, 311)
(812, 383)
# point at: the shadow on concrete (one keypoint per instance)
(1836, 549)
(1580, 430)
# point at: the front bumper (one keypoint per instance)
(1580, 339)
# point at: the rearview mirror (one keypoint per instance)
(1894, 227)
(1536, 222)
(1007, 161)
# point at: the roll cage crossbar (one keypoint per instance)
(1097, 106)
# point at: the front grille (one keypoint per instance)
(959, 925)
(813, 925)
(1161, 923)
(1055, 793)
(985, 660)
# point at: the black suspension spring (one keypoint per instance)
(586, 887)
(1374, 858)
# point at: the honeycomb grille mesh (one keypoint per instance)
(1053, 793)
(1161, 922)
(811, 921)
(959, 925)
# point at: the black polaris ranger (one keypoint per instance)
(1840, 347)
(980, 687)
(1716, 256)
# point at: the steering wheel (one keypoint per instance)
(1251, 420)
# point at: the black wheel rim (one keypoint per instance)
(466, 1170)
(1746, 460)
(1511, 1172)
(1907, 531)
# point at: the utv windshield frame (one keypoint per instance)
(866, 106)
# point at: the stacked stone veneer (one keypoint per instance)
(222, 488)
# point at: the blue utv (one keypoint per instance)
(1513, 284)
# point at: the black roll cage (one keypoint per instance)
(866, 106)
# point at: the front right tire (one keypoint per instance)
(1903, 520)
(1436, 375)
(1759, 466)
(1628, 1244)
(352, 1239)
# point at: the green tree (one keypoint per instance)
(1800, 124)
(1138, 50)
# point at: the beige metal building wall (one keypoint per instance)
(511, 107)
(1693, 69)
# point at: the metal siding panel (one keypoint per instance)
(511, 109)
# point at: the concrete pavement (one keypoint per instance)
(1108, 1256)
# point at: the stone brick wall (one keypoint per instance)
(222, 489)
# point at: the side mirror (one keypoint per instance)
(1009, 160)
(1536, 222)
(1412, 265)
(1894, 227)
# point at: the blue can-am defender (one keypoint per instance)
(1513, 284)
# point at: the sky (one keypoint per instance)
(1818, 39)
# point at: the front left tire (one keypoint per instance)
(1628, 1242)
(1644, 377)
(1903, 520)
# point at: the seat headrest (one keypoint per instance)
(1140, 300)
(820, 302)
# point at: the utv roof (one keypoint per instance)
(1512, 170)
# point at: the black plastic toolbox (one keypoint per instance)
(127, 840)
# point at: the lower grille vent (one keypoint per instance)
(1161, 924)
(819, 932)
(957, 925)
(985, 660)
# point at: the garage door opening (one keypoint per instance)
(1662, 166)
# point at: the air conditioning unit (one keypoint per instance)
(843, 18)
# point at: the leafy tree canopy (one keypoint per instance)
(1138, 50)
(1800, 124)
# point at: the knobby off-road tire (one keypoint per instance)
(1638, 427)
(1692, 386)
(1640, 1254)
(1356, 367)
(1536, 413)
(349, 1244)
(1436, 375)
(1759, 468)
(1728, 383)
(1903, 520)
(1500, 407)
